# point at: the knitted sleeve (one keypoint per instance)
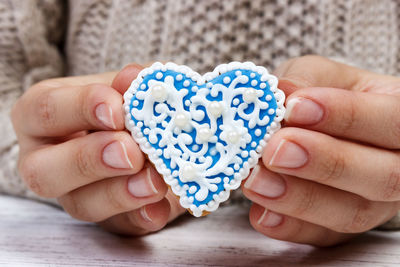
(30, 32)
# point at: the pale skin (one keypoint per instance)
(340, 175)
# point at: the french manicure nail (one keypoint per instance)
(265, 183)
(104, 114)
(288, 155)
(116, 156)
(269, 219)
(141, 184)
(144, 214)
(303, 111)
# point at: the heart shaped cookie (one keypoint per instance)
(203, 133)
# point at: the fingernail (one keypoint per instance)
(265, 183)
(144, 214)
(270, 219)
(141, 185)
(104, 114)
(288, 155)
(116, 156)
(303, 111)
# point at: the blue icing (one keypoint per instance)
(218, 80)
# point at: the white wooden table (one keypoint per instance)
(35, 234)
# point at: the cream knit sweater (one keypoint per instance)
(38, 40)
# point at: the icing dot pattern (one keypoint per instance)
(203, 150)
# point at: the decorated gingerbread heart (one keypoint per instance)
(203, 133)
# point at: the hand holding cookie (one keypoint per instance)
(73, 147)
(334, 170)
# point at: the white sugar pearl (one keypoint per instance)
(263, 85)
(238, 73)
(187, 102)
(268, 97)
(135, 103)
(236, 101)
(233, 137)
(195, 88)
(252, 75)
(159, 75)
(192, 189)
(236, 166)
(213, 151)
(257, 132)
(216, 108)
(179, 77)
(159, 92)
(226, 80)
(204, 133)
(187, 173)
(195, 147)
(253, 144)
(153, 138)
(244, 154)
(186, 83)
(271, 111)
(254, 82)
(181, 120)
(249, 95)
(209, 84)
(142, 86)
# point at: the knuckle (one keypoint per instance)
(30, 174)
(391, 188)
(307, 202)
(45, 110)
(83, 161)
(74, 208)
(332, 168)
(114, 196)
(362, 220)
(348, 118)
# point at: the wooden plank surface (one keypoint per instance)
(35, 234)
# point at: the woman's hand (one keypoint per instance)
(73, 147)
(334, 171)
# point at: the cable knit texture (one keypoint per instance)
(105, 35)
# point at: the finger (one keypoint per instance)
(149, 218)
(54, 170)
(290, 229)
(176, 208)
(124, 78)
(334, 209)
(61, 111)
(367, 117)
(316, 71)
(103, 78)
(367, 171)
(106, 198)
